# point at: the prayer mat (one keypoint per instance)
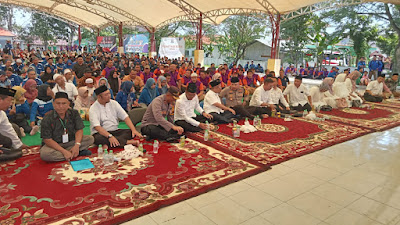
(393, 103)
(36, 192)
(377, 118)
(278, 140)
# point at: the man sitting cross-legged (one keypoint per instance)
(237, 98)
(104, 116)
(62, 132)
(299, 96)
(184, 115)
(154, 124)
(214, 106)
(262, 100)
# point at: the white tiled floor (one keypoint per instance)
(356, 182)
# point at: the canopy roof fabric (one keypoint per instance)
(153, 14)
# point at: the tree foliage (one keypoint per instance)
(239, 32)
(294, 34)
(48, 29)
(359, 28)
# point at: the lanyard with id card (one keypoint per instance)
(65, 135)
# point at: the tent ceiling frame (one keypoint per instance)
(216, 13)
(50, 11)
(133, 19)
(74, 4)
(320, 6)
(192, 12)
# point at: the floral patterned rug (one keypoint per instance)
(278, 140)
(393, 103)
(36, 192)
(377, 118)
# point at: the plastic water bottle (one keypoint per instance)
(110, 157)
(259, 121)
(100, 151)
(155, 147)
(206, 135)
(305, 113)
(140, 147)
(182, 142)
(255, 121)
(105, 157)
(207, 125)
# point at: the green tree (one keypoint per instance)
(48, 29)
(359, 28)
(387, 42)
(239, 32)
(7, 17)
(294, 32)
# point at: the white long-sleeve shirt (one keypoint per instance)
(297, 95)
(209, 100)
(260, 96)
(184, 109)
(6, 129)
(277, 96)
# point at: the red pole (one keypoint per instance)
(98, 32)
(199, 34)
(153, 40)
(276, 23)
(120, 35)
(79, 35)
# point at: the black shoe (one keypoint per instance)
(85, 152)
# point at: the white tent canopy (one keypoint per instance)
(157, 13)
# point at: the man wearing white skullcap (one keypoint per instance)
(63, 86)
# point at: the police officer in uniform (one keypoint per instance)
(237, 98)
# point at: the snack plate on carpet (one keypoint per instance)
(378, 119)
(278, 140)
(37, 192)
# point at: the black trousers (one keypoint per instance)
(189, 127)
(122, 135)
(5, 141)
(244, 111)
(283, 110)
(370, 98)
(260, 110)
(158, 132)
(300, 108)
(225, 117)
(21, 121)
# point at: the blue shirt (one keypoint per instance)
(360, 65)
(38, 81)
(373, 65)
(53, 67)
(39, 108)
(18, 69)
(39, 68)
(15, 80)
(332, 74)
(122, 99)
(60, 67)
(6, 83)
(23, 108)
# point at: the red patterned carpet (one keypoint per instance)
(393, 103)
(36, 192)
(378, 119)
(278, 141)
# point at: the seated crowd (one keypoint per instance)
(169, 98)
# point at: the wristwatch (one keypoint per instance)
(110, 135)
(77, 143)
